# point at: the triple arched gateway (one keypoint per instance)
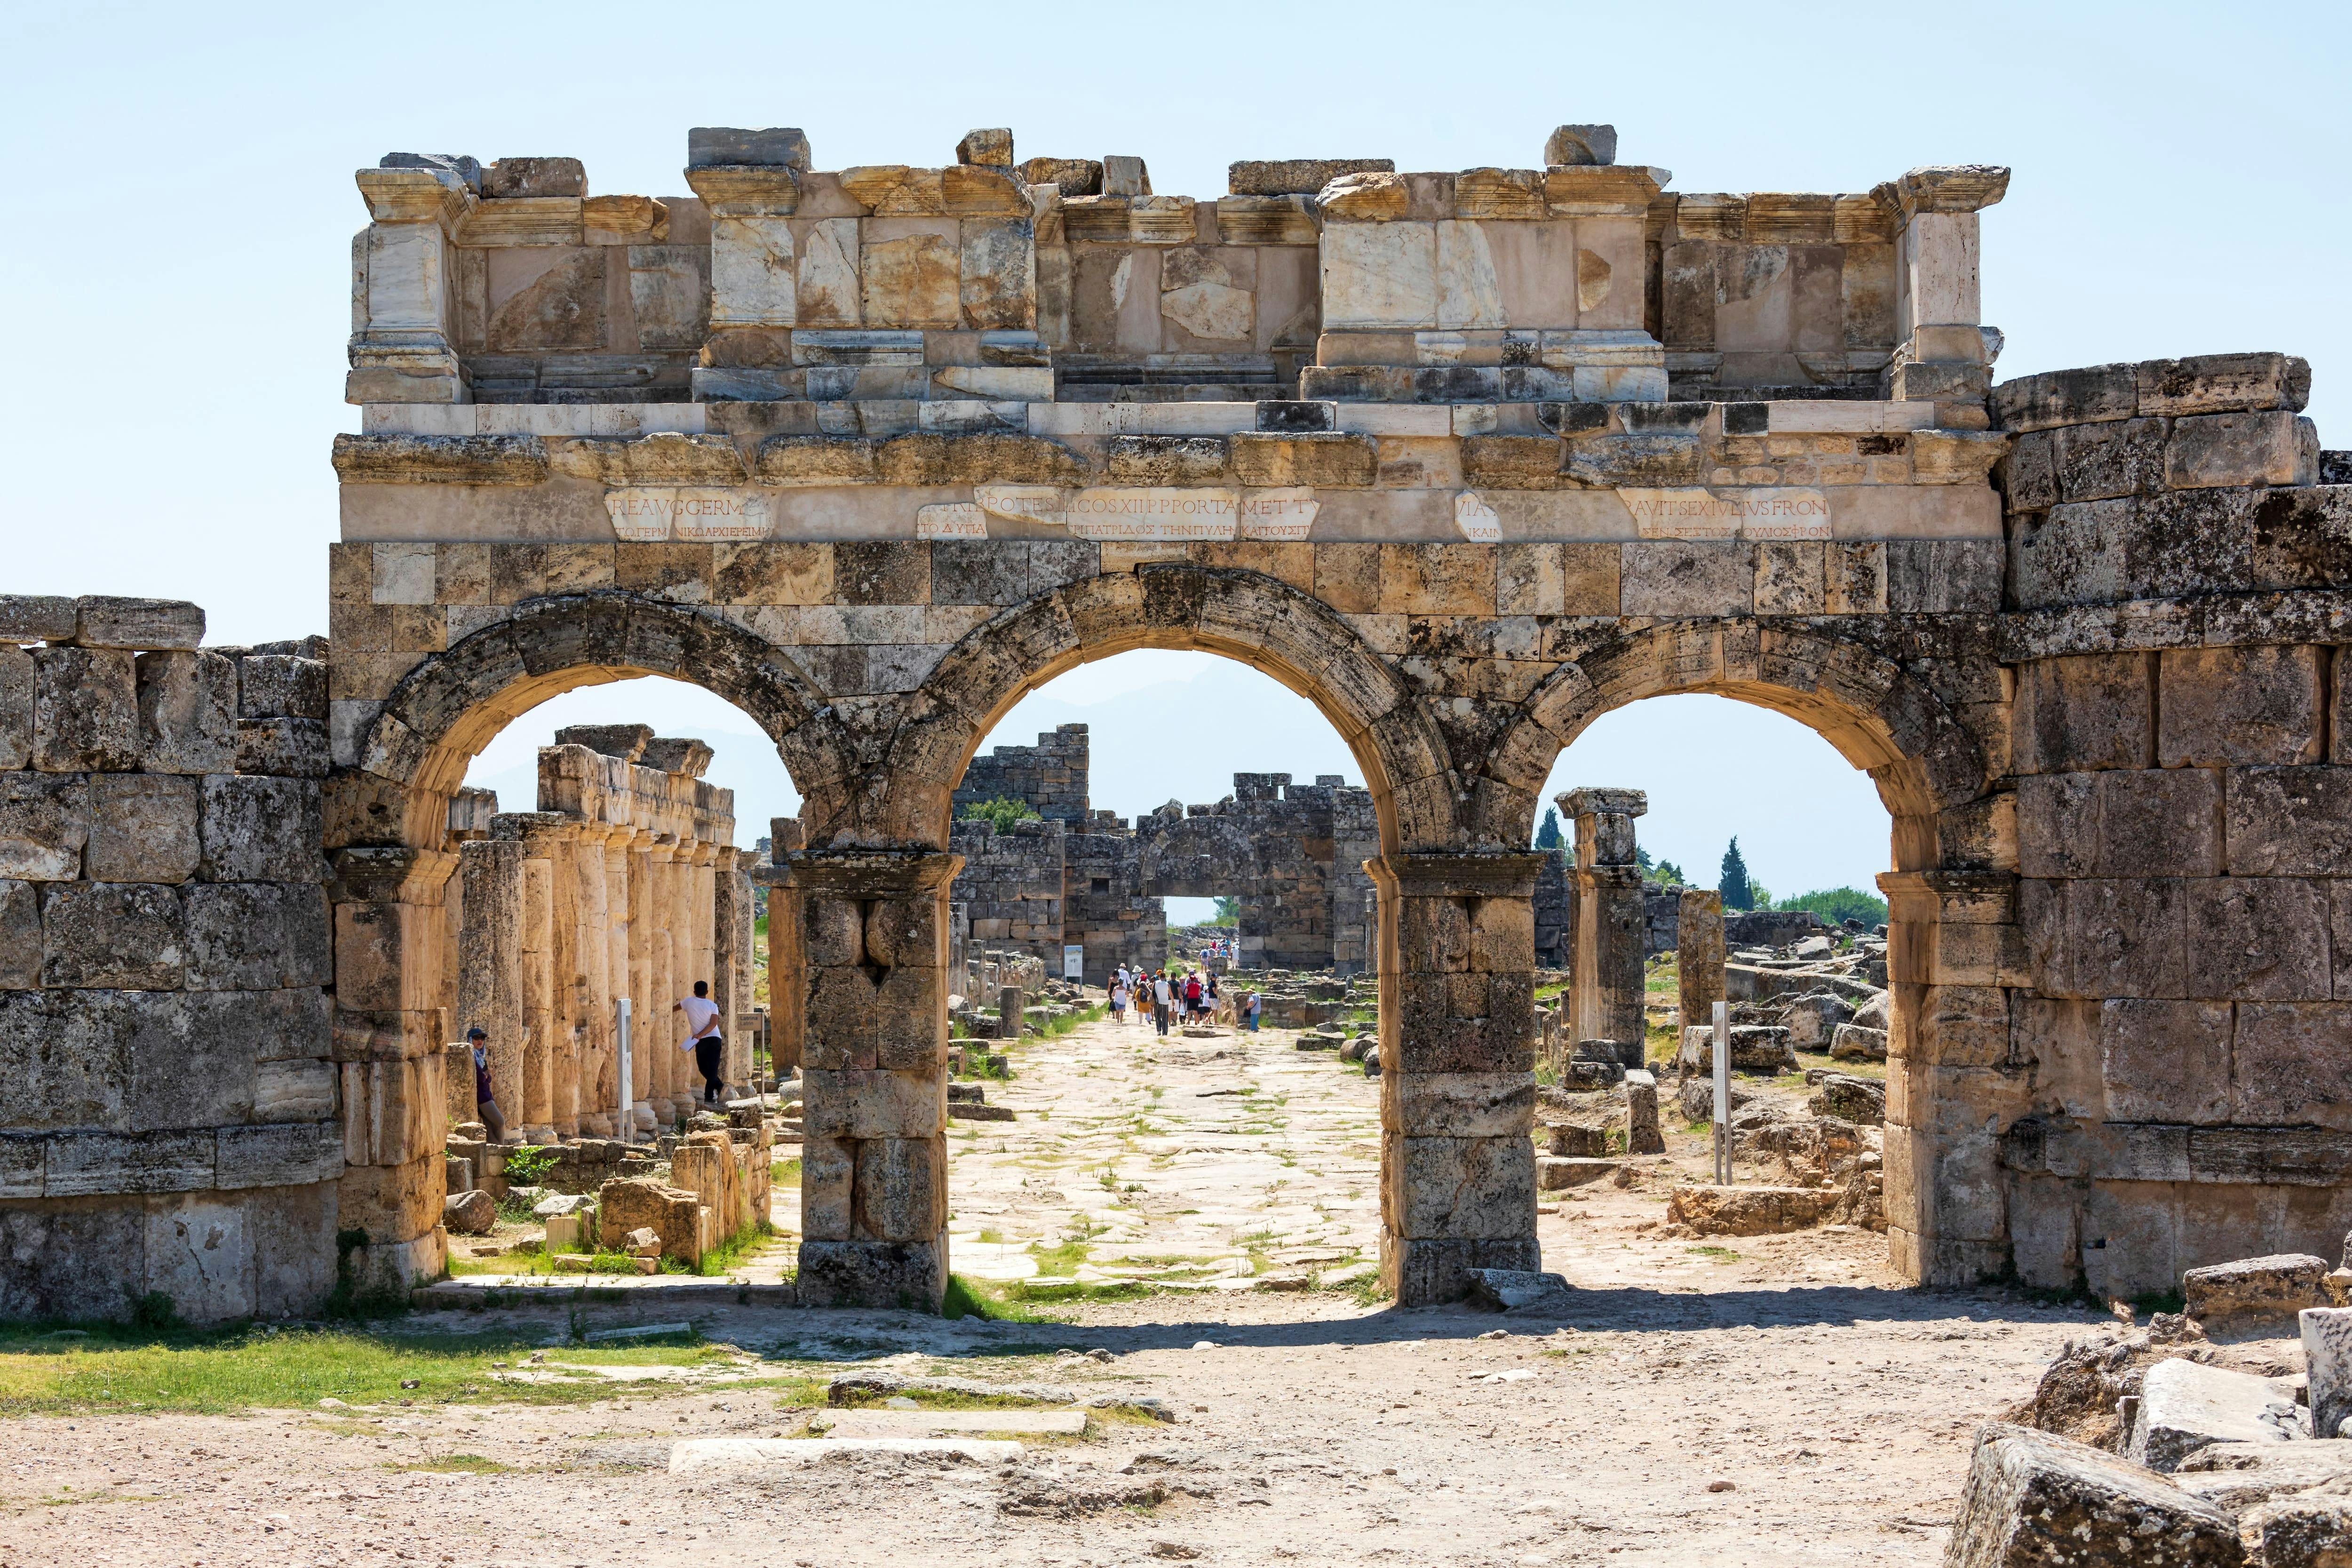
(1466, 459)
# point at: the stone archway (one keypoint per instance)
(1955, 955)
(1455, 934)
(393, 864)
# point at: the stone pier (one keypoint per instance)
(1612, 922)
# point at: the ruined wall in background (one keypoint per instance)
(169, 1085)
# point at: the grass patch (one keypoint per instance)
(118, 1369)
(457, 1465)
(786, 1171)
(1714, 1254)
(743, 1244)
(970, 1299)
(1058, 1261)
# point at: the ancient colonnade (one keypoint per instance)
(624, 884)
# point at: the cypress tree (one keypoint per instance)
(1547, 836)
(1733, 883)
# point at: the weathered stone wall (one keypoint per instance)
(1106, 907)
(1049, 777)
(2148, 1002)
(1011, 886)
(168, 1122)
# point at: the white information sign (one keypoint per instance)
(1777, 512)
(697, 515)
(1074, 961)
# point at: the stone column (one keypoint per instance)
(549, 965)
(591, 1077)
(490, 958)
(645, 1030)
(1611, 924)
(389, 1031)
(1699, 954)
(874, 1165)
(1457, 1070)
(703, 875)
(619, 975)
(661, 986)
(730, 977)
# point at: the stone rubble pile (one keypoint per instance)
(2156, 1445)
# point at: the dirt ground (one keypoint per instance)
(1757, 1400)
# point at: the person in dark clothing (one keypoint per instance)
(702, 1036)
(486, 1105)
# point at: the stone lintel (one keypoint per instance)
(743, 190)
(414, 195)
(536, 830)
(1944, 188)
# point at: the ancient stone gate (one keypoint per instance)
(1466, 458)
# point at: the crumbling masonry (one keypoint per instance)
(1466, 458)
(1292, 855)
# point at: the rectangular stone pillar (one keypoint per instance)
(546, 972)
(389, 1031)
(1605, 984)
(620, 862)
(730, 968)
(1457, 1070)
(785, 991)
(661, 988)
(400, 350)
(873, 1162)
(1699, 954)
(490, 959)
(645, 1032)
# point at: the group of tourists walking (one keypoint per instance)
(1177, 995)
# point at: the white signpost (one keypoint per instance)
(627, 1124)
(1074, 961)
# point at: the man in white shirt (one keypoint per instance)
(1162, 995)
(703, 1038)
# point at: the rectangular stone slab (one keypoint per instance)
(746, 1453)
(929, 1423)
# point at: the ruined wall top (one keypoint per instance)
(990, 279)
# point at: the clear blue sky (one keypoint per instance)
(178, 277)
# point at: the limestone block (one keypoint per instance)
(295, 1091)
(1751, 1211)
(188, 712)
(2089, 711)
(199, 1251)
(1458, 1188)
(1378, 275)
(1615, 461)
(36, 618)
(900, 1189)
(1681, 577)
(2224, 706)
(391, 1201)
(88, 1164)
(1642, 1133)
(998, 273)
(282, 685)
(142, 828)
(754, 279)
(785, 146)
(669, 294)
(627, 1204)
(913, 280)
(2165, 1061)
(2258, 939)
(2184, 1406)
(2220, 383)
(285, 1154)
(2288, 822)
(2214, 450)
(2274, 1286)
(1297, 176)
(904, 1274)
(393, 1111)
(257, 936)
(19, 679)
(2287, 1066)
(1457, 1105)
(20, 934)
(2113, 458)
(511, 178)
(828, 1174)
(2309, 1530)
(68, 1058)
(287, 748)
(2327, 1333)
(261, 829)
(85, 710)
(132, 935)
(1331, 460)
(107, 621)
(861, 1103)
